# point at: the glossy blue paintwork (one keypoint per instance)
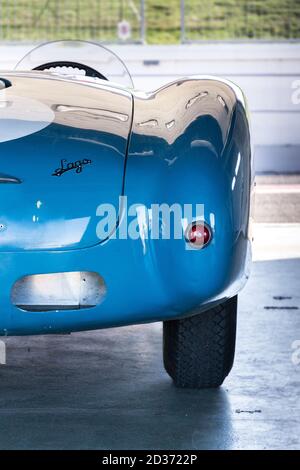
(59, 210)
(207, 161)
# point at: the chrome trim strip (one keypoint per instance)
(9, 179)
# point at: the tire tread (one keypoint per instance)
(199, 350)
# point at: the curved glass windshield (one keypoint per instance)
(77, 58)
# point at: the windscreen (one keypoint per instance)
(77, 58)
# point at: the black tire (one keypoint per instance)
(199, 350)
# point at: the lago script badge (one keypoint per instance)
(77, 166)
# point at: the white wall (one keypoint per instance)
(265, 71)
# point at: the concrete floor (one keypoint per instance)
(108, 390)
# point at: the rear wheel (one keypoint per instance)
(199, 350)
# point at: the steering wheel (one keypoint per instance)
(89, 71)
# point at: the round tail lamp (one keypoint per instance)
(198, 234)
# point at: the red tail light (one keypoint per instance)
(198, 234)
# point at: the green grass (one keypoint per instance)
(223, 19)
(97, 19)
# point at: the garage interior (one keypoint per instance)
(108, 389)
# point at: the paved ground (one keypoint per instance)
(108, 389)
(277, 199)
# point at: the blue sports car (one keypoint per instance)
(121, 207)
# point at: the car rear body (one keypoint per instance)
(74, 145)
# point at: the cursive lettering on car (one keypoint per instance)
(77, 166)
